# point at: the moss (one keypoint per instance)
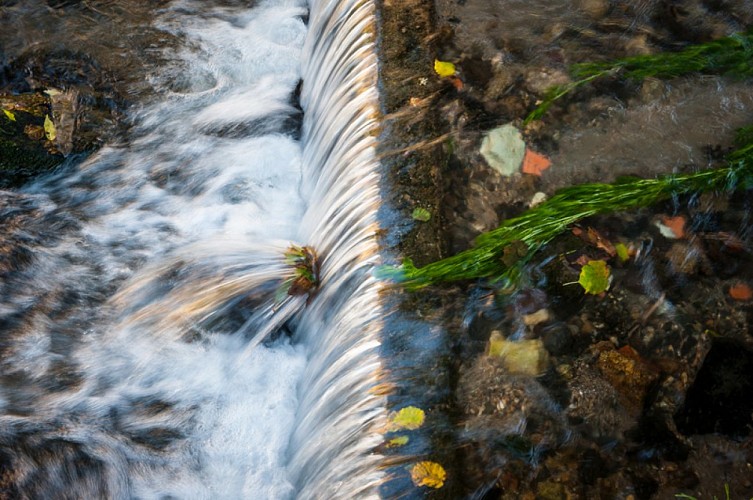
(24, 150)
(20, 161)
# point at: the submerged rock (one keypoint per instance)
(595, 406)
(503, 149)
(505, 417)
(628, 374)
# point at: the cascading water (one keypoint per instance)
(131, 363)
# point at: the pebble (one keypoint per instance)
(595, 9)
(587, 327)
(537, 199)
(537, 317)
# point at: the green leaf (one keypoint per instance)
(421, 214)
(595, 277)
(409, 418)
(10, 115)
(49, 128)
(398, 441)
(622, 252)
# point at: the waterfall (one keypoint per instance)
(335, 433)
(147, 351)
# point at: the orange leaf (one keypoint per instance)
(534, 163)
(456, 82)
(675, 224)
(740, 291)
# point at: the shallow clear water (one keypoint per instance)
(128, 354)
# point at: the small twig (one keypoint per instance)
(416, 147)
(653, 308)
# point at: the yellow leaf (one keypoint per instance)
(409, 418)
(429, 474)
(443, 68)
(49, 128)
(10, 115)
(398, 441)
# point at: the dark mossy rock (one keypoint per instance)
(86, 82)
(25, 148)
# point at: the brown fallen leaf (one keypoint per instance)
(535, 163)
(596, 239)
(582, 260)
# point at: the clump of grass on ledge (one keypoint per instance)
(732, 55)
(539, 225)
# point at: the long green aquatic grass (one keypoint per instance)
(541, 224)
(732, 55)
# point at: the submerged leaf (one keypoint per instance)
(49, 128)
(740, 291)
(535, 163)
(595, 277)
(596, 239)
(410, 418)
(398, 441)
(429, 474)
(10, 115)
(421, 214)
(521, 357)
(622, 252)
(443, 68)
(675, 226)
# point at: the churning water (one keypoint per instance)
(132, 363)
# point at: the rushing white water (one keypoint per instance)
(341, 325)
(130, 361)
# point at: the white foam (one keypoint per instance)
(176, 183)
